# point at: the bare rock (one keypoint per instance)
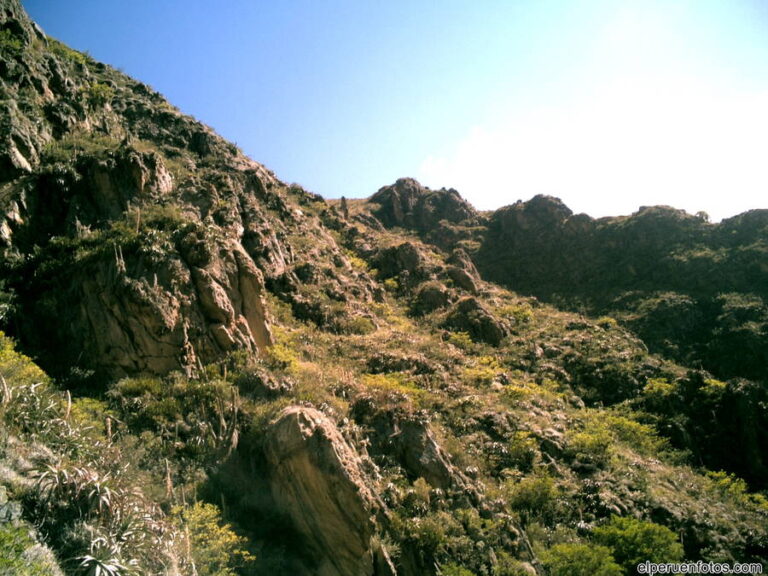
(423, 457)
(260, 383)
(461, 259)
(403, 258)
(408, 204)
(318, 481)
(463, 271)
(462, 279)
(410, 442)
(120, 314)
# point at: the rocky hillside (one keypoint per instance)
(693, 290)
(207, 371)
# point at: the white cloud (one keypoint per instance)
(637, 141)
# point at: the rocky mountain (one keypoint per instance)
(693, 290)
(206, 370)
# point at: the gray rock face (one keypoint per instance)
(411, 442)
(462, 279)
(423, 457)
(404, 259)
(318, 480)
(150, 288)
(468, 277)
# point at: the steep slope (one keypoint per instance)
(252, 380)
(125, 223)
(692, 291)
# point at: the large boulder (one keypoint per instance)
(470, 316)
(318, 481)
(430, 296)
(407, 262)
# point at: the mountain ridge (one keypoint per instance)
(246, 378)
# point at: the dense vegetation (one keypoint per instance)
(172, 309)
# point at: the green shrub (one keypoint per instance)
(98, 94)
(11, 44)
(417, 498)
(633, 541)
(453, 569)
(59, 153)
(15, 557)
(580, 560)
(133, 387)
(483, 371)
(282, 357)
(393, 386)
(391, 285)
(66, 52)
(641, 437)
(356, 325)
(462, 340)
(533, 497)
(519, 313)
(607, 322)
(658, 392)
(356, 262)
(208, 543)
(735, 488)
(522, 450)
(590, 446)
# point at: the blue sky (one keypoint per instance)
(608, 105)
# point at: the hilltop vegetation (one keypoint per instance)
(207, 371)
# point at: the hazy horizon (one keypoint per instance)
(607, 105)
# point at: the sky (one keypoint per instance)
(607, 104)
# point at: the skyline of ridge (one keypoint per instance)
(607, 106)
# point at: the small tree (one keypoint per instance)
(210, 545)
(634, 541)
(580, 560)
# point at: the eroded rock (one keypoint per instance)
(408, 204)
(318, 480)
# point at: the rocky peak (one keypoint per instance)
(408, 204)
(538, 212)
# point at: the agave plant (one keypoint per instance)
(82, 491)
(104, 559)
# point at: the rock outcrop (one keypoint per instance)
(406, 261)
(410, 441)
(143, 286)
(135, 234)
(430, 296)
(318, 480)
(408, 204)
(470, 316)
